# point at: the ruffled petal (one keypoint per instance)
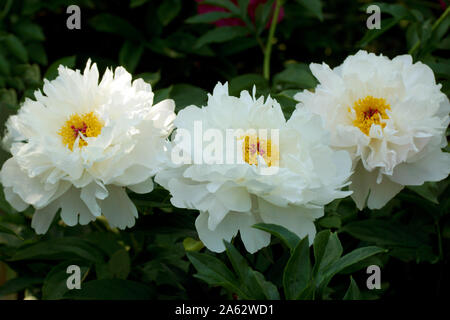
(118, 209)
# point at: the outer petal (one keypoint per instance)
(90, 194)
(296, 219)
(381, 193)
(43, 218)
(252, 238)
(74, 210)
(14, 200)
(118, 209)
(361, 182)
(213, 239)
(143, 187)
(29, 189)
(433, 167)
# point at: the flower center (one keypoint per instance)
(370, 111)
(254, 146)
(85, 125)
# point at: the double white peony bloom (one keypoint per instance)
(302, 172)
(78, 145)
(390, 115)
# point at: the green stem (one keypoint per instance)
(435, 25)
(441, 18)
(268, 52)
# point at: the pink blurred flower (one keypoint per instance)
(253, 4)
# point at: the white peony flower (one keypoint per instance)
(390, 115)
(80, 143)
(234, 195)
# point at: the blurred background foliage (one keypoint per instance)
(182, 54)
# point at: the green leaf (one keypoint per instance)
(55, 284)
(238, 262)
(346, 261)
(327, 250)
(221, 34)
(186, 94)
(111, 289)
(150, 77)
(266, 289)
(191, 244)
(161, 94)
(262, 14)
(243, 5)
(16, 48)
(8, 98)
(9, 231)
(314, 6)
(236, 46)
(385, 233)
(55, 249)
(396, 10)
(353, 292)
(29, 31)
(289, 238)
(4, 66)
(107, 242)
(246, 82)
(227, 4)
(18, 284)
(130, 54)
(428, 190)
(37, 53)
(16, 83)
(120, 264)
(210, 17)
(372, 34)
(52, 71)
(168, 10)
(330, 222)
(295, 76)
(31, 74)
(286, 99)
(256, 285)
(137, 3)
(109, 23)
(297, 273)
(215, 272)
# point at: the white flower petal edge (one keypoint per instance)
(232, 197)
(81, 143)
(390, 115)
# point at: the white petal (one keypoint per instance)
(42, 218)
(235, 198)
(361, 182)
(29, 189)
(143, 187)
(381, 193)
(74, 210)
(213, 239)
(253, 239)
(14, 200)
(296, 219)
(118, 209)
(90, 194)
(433, 167)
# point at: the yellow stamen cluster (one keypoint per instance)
(370, 111)
(254, 146)
(85, 125)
